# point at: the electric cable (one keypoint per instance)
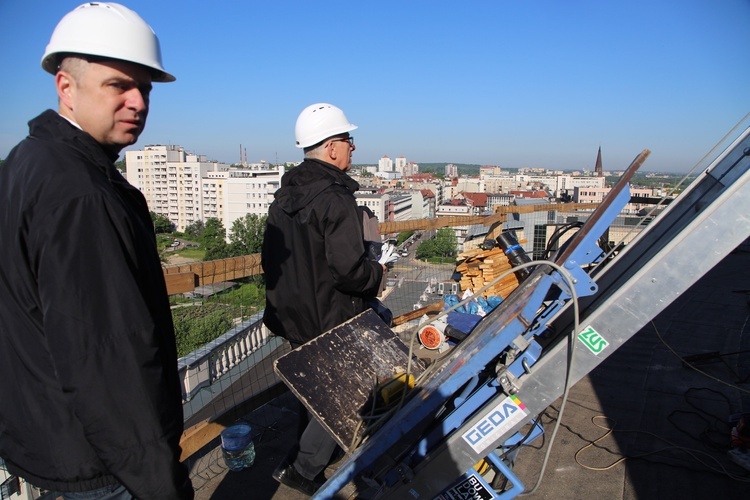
(689, 365)
(568, 375)
(571, 345)
(694, 454)
(357, 441)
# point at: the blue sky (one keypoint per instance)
(505, 82)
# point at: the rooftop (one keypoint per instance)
(671, 420)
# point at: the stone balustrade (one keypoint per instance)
(202, 368)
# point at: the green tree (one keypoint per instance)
(444, 244)
(162, 224)
(247, 235)
(402, 237)
(195, 230)
(214, 240)
(426, 249)
(120, 165)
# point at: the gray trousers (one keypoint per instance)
(316, 448)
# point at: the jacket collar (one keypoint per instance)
(339, 176)
(51, 126)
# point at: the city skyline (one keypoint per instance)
(538, 84)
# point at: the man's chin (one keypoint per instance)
(117, 144)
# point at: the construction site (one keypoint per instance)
(611, 364)
(614, 367)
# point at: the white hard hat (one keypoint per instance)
(318, 122)
(107, 30)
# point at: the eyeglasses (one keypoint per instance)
(349, 139)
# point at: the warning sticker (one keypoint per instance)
(470, 488)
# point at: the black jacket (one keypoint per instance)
(89, 390)
(318, 274)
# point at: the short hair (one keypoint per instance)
(74, 65)
(316, 150)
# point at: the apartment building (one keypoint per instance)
(451, 171)
(378, 202)
(232, 194)
(385, 164)
(188, 188)
(424, 183)
(400, 165)
(170, 179)
(597, 195)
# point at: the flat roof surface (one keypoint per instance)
(671, 422)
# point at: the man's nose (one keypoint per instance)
(137, 99)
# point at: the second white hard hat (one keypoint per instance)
(318, 122)
(107, 30)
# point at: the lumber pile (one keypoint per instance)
(480, 267)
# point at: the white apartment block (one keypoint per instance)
(249, 191)
(379, 203)
(435, 186)
(170, 179)
(556, 183)
(597, 195)
(468, 184)
(403, 205)
(188, 188)
(499, 200)
(586, 182)
(420, 205)
(411, 169)
(401, 165)
(451, 170)
(455, 209)
(498, 183)
(385, 164)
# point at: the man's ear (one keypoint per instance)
(331, 152)
(66, 87)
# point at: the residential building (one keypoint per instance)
(170, 179)
(377, 201)
(451, 171)
(385, 164)
(188, 188)
(249, 191)
(400, 166)
(597, 195)
(426, 182)
(411, 169)
(499, 200)
(477, 201)
(456, 208)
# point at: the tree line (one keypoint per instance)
(245, 238)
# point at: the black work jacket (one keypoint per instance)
(89, 393)
(318, 274)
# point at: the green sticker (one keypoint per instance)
(593, 340)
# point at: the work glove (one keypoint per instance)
(386, 254)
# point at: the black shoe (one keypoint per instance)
(287, 475)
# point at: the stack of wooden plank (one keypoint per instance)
(480, 267)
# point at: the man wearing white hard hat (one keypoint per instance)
(92, 404)
(318, 274)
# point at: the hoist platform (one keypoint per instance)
(570, 314)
